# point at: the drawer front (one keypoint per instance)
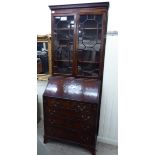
(73, 123)
(70, 108)
(61, 104)
(66, 134)
(58, 132)
(70, 114)
(53, 109)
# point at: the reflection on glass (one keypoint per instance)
(63, 44)
(89, 44)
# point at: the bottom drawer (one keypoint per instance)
(62, 133)
(67, 134)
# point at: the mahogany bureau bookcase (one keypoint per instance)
(72, 98)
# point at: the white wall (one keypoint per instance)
(109, 114)
(108, 129)
(41, 85)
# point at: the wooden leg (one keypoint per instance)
(45, 140)
(93, 151)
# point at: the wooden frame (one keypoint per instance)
(58, 98)
(46, 38)
(76, 10)
(84, 5)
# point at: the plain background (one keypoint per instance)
(136, 96)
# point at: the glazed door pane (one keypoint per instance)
(63, 44)
(89, 44)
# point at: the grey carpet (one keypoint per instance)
(57, 148)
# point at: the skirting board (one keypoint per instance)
(107, 140)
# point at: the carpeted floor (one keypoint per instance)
(56, 148)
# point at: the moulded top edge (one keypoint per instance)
(80, 5)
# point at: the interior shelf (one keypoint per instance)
(90, 28)
(63, 28)
(63, 60)
(91, 62)
(62, 74)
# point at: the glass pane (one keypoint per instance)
(89, 44)
(64, 22)
(88, 69)
(63, 44)
(63, 67)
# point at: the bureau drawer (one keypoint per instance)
(66, 114)
(70, 114)
(72, 123)
(63, 104)
(71, 135)
(63, 133)
(59, 111)
(71, 108)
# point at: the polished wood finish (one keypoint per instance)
(79, 6)
(72, 100)
(77, 10)
(78, 89)
(71, 109)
